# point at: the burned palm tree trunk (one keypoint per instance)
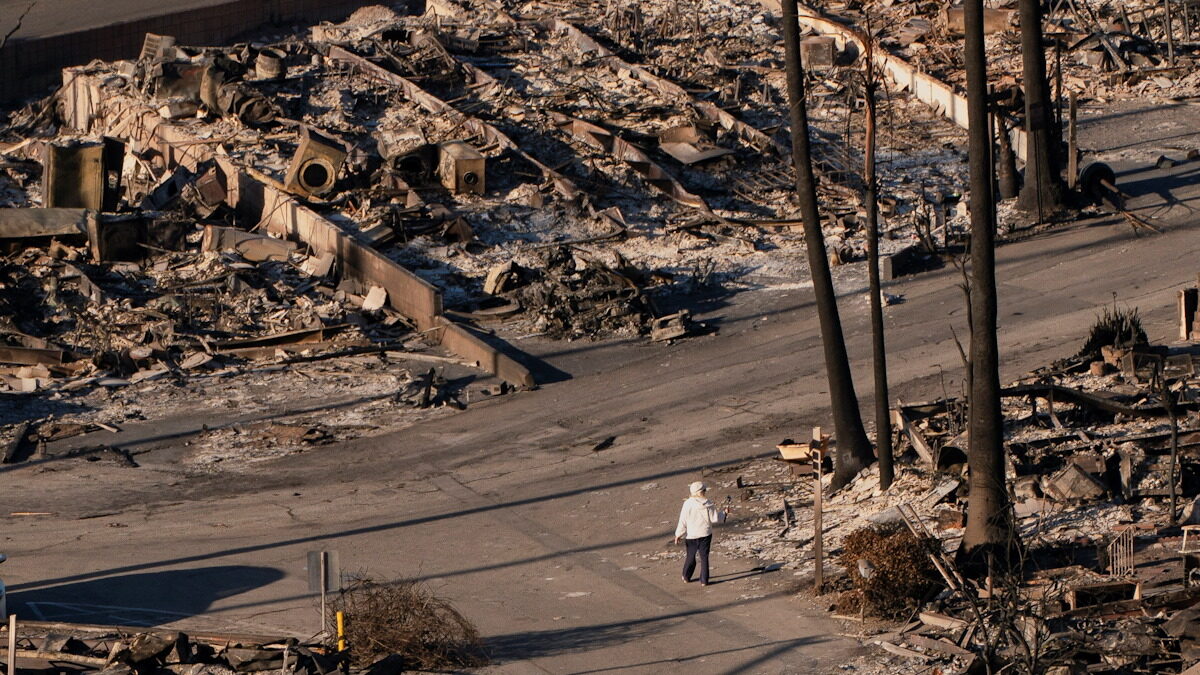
(1042, 192)
(989, 525)
(853, 447)
(1006, 162)
(883, 425)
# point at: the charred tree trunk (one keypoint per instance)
(989, 525)
(853, 448)
(1006, 163)
(1042, 192)
(883, 420)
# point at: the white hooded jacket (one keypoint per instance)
(696, 518)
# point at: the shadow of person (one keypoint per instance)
(715, 579)
(143, 599)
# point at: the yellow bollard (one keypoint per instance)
(341, 627)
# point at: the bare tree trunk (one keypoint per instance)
(1042, 192)
(1006, 163)
(989, 525)
(853, 448)
(883, 420)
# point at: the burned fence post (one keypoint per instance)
(1168, 27)
(324, 575)
(1188, 301)
(1073, 142)
(818, 454)
(12, 644)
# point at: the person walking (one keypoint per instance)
(696, 519)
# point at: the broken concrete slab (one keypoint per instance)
(251, 246)
(1073, 482)
(375, 299)
(39, 223)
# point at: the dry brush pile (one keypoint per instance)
(900, 576)
(402, 617)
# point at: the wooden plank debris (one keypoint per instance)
(938, 645)
(901, 651)
(941, 621)
(914, 435)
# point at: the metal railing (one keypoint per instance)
(1120, 555)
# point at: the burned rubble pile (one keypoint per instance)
(114, 650)
(388, 189)
(1102, 49)
(1104, 477)
(547, 128)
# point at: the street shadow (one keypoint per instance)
(715, 579)
(1163, 185)
(774, 649)
(142, 599)
(1148, 141)
(17, 408)
(1090, 121)
(393, 526)
(541, 643)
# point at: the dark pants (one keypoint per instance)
(697, 547)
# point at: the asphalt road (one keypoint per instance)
(55, 17)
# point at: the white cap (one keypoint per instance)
(697, 487)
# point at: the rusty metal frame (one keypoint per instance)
(1120, 555)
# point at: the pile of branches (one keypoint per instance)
(404, 619)
(901, 577)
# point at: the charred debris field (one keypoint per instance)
(354, 226)
(350, 210)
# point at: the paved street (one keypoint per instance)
(55, 17)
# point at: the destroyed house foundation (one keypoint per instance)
(88, 112)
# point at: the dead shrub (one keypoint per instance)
(903, 577)
(403, 617)
(1115, 327)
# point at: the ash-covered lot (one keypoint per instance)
(221, 382)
